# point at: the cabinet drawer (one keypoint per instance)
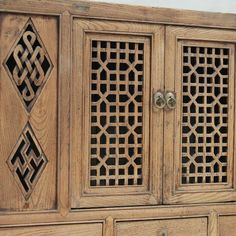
(52, 230)
(177, 227)
(227, 225)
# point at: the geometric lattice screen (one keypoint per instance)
(205, 115)
(116, 117)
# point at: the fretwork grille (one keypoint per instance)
(116, 113)
(205, 115)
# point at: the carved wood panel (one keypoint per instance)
(28, 107)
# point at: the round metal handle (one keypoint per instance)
(159, 100)
(170, 100)
(164, 233)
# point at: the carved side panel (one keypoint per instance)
(28, 108)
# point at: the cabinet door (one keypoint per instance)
(28, 109)
(116, 138)
(199, 132)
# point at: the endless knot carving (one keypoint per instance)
(27, 161)
(205, 115)
(116, 113)
(28, 65)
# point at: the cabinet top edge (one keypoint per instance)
(122, 12)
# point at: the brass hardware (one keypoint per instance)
(164, 233)
(170, 98)
(159, 100)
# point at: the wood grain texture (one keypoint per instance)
(109, 226)
(60, 120)
(213, 224)
(123, 12)
(64, 113)
(173, 191)
(60, 230)
(42, 117)
(85, 32)
(227, 225)
(177, 227)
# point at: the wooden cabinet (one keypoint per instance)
(116, 120)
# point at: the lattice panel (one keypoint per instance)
(116, 113)
(28, 65)
(205, 115)
(27, 161)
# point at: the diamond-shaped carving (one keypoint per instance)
(27, 161)
(28, 65)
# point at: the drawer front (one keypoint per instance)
(60, 230)
(178, 227)
(227, 225)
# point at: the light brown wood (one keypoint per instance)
(180, 227)
(53, 57)
(227, 225)
(122, 12)
(35, 110)
(199, 185)
(60, 230)
(109, 226)
(120, 213)
(64, 116)
(213, 224)
(112, 190)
